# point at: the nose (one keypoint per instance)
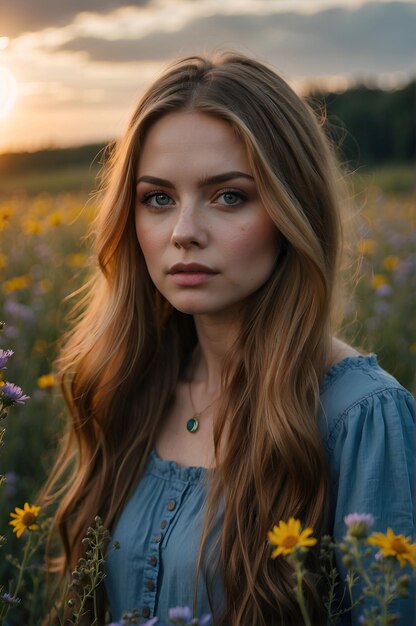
(189, 229)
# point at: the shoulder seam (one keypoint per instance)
(341, 418)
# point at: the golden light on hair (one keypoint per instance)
(125, 336)
(8, 91)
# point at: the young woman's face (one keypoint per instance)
(207, 240)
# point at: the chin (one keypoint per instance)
(193, 308)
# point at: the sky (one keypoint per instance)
(72, 71)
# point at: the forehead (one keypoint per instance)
(192, 139)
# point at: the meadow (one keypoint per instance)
(45, 257)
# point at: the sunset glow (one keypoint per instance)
(82, 66)
(8, 91)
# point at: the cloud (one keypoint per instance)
(19, 16)
(373, 38)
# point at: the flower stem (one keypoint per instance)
(22, 567)
(299, 594)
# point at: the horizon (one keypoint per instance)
(106, 141)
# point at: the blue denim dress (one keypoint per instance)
(367, 421)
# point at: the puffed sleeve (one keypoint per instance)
(372, 468)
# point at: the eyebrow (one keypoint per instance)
(204, 182)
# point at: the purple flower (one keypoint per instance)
(359, 518)
(11, 480)
(180, 615)
(384, 291)
(9, 599)
(13, 394)
(358, 524)
(4, 357)
(18, 311)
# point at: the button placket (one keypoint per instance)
(151, 570)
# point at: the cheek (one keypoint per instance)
(256, 243)
(147, 238)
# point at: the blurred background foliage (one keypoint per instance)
(46, 206)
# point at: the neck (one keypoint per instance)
(215, 338)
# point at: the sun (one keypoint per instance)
(8, 91)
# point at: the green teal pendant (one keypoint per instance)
(192, 425)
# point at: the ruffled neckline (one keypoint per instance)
(347, 363)
(169, 469)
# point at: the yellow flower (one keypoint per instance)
(378, 280)
(288, 537)
(24, 519)
(56, 218)
(47, 380)
(32, 227)
(366, 246)
(391, 262)
(6, 212)
(77, 259)
(17, 283)
(397, 546)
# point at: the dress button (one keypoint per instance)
(153, 560)
(150, 585)
(157, 538)
(163, 524)
(171, 505)
(145, 611)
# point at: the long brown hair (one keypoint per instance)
(121, 362)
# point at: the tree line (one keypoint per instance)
(369, 126)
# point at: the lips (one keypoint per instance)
(191, 275)
(191, 268)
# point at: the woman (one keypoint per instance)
(209, 396)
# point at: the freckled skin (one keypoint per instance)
(223, 226)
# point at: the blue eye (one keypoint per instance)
(232, 198)
(160, 199)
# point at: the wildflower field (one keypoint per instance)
(44, 257)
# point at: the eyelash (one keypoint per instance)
(239, 194)
(152, 194)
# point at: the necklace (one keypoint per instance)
(192, 424)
